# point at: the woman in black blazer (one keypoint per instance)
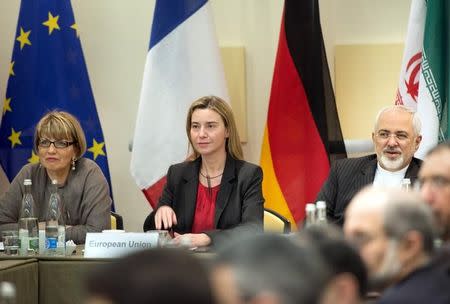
(215, 193)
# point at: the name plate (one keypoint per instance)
(112, 245)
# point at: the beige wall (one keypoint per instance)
(115, 36)
(366, 80)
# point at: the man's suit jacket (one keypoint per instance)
(427, 284)
(347, 177)
(239, 204)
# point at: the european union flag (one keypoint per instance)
(47, 72)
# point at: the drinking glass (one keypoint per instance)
(163, 238)
(11, 242)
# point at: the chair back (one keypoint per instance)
(275, 222)
(116, 221)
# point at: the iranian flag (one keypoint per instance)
(424, 78)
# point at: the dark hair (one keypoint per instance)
(276, 264)
(159, 276)
(337, 252)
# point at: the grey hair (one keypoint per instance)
(440, 147)
(274, 264)
(407, 213)
(417, 125)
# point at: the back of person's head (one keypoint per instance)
(273, 266)
(221, 107)
(342, 258)
(157, 276)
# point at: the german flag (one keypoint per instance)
(302, 134)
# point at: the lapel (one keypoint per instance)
(367, 173)
(226, 186)
(413, 170)
(190, 179)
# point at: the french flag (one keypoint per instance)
(183, 63)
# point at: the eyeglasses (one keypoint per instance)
(399, 136)
(58, 144)
(436, 182)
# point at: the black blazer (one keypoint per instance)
(347, 177)
(427, 284)
(239, 204)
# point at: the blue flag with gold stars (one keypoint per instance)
(47, 72)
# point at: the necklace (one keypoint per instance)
(208, 180)
(210, 177)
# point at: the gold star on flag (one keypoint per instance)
(23, 38)
(7, 105)
(75, 27)
(14, 138)
(11, 69)
(34, 159)
(52, 23)
(97, 149)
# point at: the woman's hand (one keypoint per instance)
(165, 218)
(192, 239)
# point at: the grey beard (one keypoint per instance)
(390, 268)
(391, 164)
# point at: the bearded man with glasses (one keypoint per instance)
(396, 137)
(59, 142)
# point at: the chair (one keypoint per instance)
(116, 221)
(149, 223)
(275, 222)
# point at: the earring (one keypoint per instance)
(73, 164)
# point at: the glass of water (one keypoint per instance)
(11, 242)
(164, 239)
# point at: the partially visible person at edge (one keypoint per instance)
(396, 137)
(394, 232)
(434, 185)
(215, 193)
(60, 143)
